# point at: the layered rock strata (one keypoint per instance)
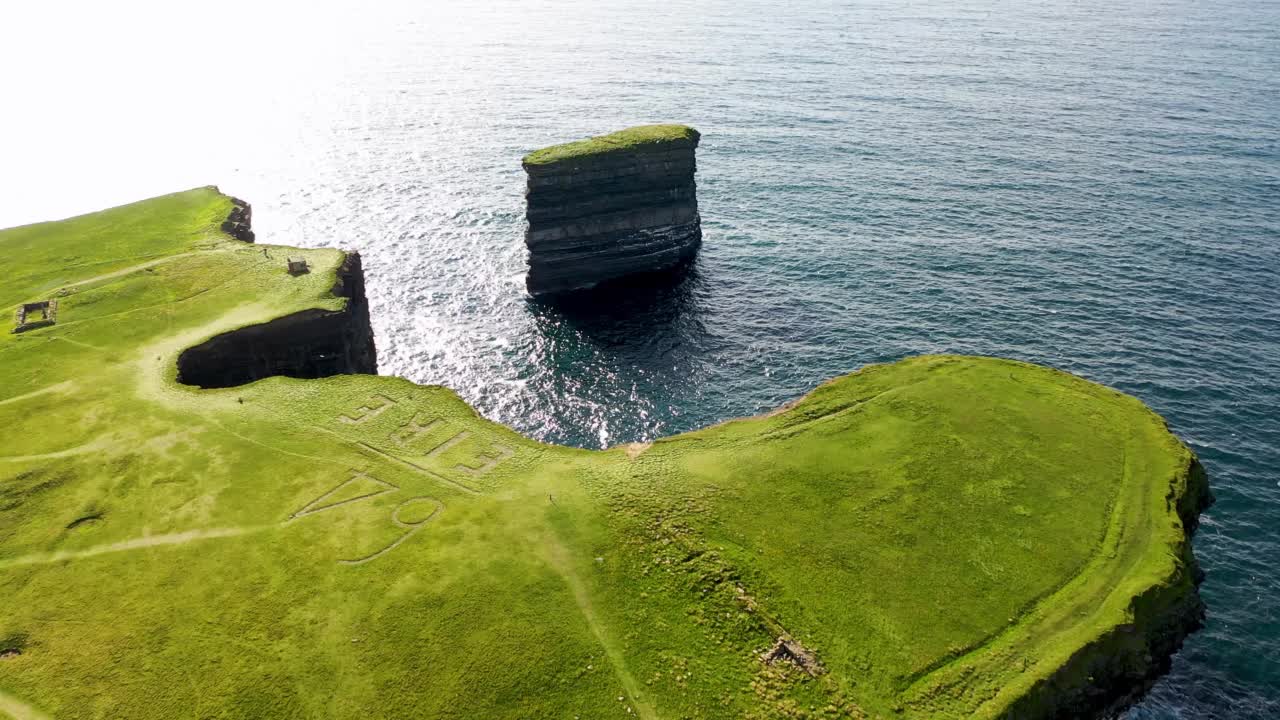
(610, 207)
(309, 344)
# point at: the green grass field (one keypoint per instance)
(948, 536)
(622, 141)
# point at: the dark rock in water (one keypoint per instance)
(610, 207)
(239, 221)
(308, 344)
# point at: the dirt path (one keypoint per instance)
(18, 710)
(100, 443)
(66, 339)
(134, 544)
(155, 362)
(61, 387)
(132, 268)
(563, 564)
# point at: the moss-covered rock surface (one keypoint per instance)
(943, 537)
(634, 139)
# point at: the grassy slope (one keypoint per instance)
(630, 139)
(944, 532)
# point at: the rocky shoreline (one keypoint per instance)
(239, 221)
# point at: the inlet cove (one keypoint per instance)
(210, 507)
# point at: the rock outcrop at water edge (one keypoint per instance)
(239, 222)
(611, 206)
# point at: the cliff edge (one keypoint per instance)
(312, 343)
(939, 538)
(611, 206)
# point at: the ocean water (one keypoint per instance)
(1090, 185)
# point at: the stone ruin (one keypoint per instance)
(789, 651)
(35, 315)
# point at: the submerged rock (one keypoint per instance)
(610, 207)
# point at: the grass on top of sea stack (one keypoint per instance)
(942, 537)
(631, 139)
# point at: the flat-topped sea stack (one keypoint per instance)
(611, 206)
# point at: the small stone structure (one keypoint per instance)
(298, 266)
(788, 650)
(35, 315)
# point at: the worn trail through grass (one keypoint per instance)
(18, 710)
(559, 558)
(149, 541)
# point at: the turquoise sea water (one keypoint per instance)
(1090, 185)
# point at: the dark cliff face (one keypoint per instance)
(596, 218)
(309, 344)
(239, 222)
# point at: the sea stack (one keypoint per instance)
(611, 206)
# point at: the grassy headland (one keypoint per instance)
(948, 537)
